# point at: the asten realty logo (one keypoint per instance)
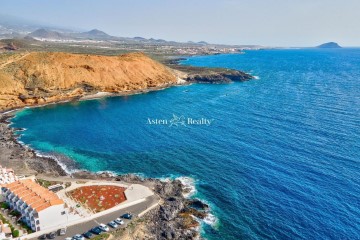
(178, 121)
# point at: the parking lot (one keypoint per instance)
(135, 210)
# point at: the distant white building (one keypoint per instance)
(5, 231)
(7, 175)
(40, 208)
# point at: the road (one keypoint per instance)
(135, 210)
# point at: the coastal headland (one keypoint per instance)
(37, 78)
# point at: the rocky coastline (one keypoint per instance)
(21, 158)
(207, 75)
(175, 218)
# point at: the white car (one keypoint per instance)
(78, 237)
(113, 224)
(104, 228)
(119, 221)
(62, 231)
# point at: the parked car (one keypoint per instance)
(127, 216)
(96, 230)
(113, 224)
(62, 231)
(104, 228)
(42, 236)
(88, 235)
(78, 237)
(119, 221)
(51, 235)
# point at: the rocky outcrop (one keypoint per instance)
(42, 77)
(194, 74)
(175, 218)
(171, 208)
(220, 76)
(9, 46)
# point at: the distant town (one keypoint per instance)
(25, 38)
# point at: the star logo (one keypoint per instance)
(177, 121)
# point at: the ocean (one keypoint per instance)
(277, 157)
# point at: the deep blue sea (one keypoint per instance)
(280, 159)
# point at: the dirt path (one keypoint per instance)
(14, 58)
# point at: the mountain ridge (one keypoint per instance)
(44, 33)
(96, 34)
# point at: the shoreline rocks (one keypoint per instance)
(194, 74)
(23, 159)
(219, 77)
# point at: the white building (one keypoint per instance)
(40, 208)
(7, 175)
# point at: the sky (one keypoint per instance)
(285, 23)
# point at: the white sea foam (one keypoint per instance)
(210, 219)
(10, 111)
(110, 173)
(181, 81)
(60, 163)
(165, 179)
(189, 186)
(256, 77)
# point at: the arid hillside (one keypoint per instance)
(43, 77)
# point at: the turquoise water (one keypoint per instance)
(280, 159)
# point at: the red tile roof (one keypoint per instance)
(34, 195)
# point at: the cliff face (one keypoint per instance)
(36, 78)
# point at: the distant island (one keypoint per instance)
(329, 45)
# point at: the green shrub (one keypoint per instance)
(16, 213)
(4, 205)
(16, 233)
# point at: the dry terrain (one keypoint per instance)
(43, 77)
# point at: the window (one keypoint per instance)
(37, 222)
(63, 213)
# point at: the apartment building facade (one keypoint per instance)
(40, 208)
